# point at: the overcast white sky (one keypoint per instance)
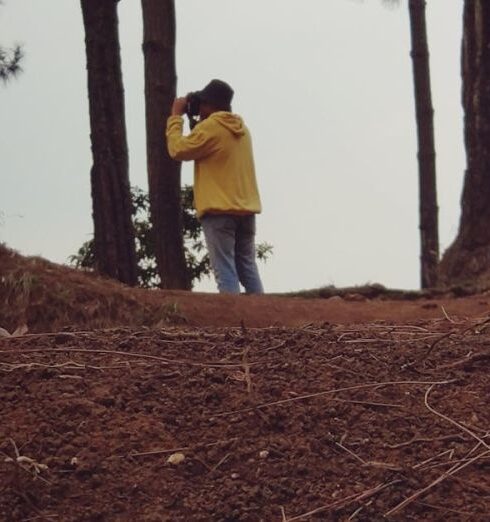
(325, 87)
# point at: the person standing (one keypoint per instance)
(226, 195)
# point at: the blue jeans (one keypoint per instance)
(230, 240)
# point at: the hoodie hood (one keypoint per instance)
(230, 121)
(224, 171)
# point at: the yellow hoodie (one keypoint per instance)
(224, 172)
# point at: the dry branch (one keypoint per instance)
(213, 364)
(362, 461)
(175, 450)
(329, 392)
(356, 497)
(414, 440)
(444, 476)
(430, 459)
(369, 403)
(434, 344)
(455, 423)
(246, 367)
(465, 363)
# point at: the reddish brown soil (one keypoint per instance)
(47, 298)
(338, 409)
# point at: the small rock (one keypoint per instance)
(176, 459)
(20, 330)
(354, 297)
(263, 454)
(4, 333)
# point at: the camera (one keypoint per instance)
(192, 108)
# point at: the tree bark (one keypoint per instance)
(468, 259)
(428, 209)
(163, 172)
(114, 239)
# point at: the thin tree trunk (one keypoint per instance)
(428, 210)
(163, 172)
(468, 258)
(111, 198)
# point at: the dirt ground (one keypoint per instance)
(46, 297)
(121, 404)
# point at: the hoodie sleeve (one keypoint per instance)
(198, 144)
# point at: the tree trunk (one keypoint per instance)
(468, 258)
(163, 172)
(428, 210)
(111, 198)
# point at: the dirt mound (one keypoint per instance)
(48, 297)
(276, 424)
(356, 406)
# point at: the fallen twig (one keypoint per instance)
(356, 497)
(414, 440)
(175, 450)
(441, 478)
(246, 367)
(430, 459)
(368, 403)
(445, 417)
(69, 365)
(328, 392)
(481, 327)
(356, 512)
(446, 315)
(466, 362)
(361, 460)
(112, 330)
(283, 514)
(457, 461)
(213, 364)
(445, 508)
(335, 367)
(433, 345)
(214, 468)
(28, 464)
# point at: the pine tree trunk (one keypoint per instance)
(111, 198)
(163, 172)
(428, 210)
(468, 258)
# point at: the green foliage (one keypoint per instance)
(264, 251)
(196, 255)
(10, 62)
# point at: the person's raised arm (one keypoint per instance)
(198, 144)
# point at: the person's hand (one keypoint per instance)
(178, 107)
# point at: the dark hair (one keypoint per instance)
(218, 94)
